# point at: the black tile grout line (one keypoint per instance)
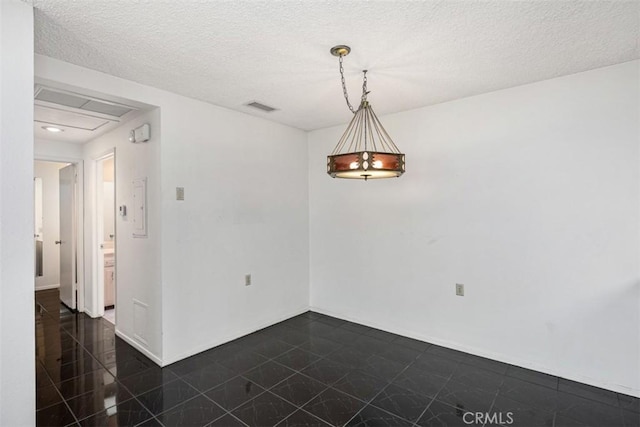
(203, 393)
(554, 411)
(153, 416)
(52, 383)
(178, 377)
(61, 396)
(434, 396)
(385, 387)
(91, 354)
(281, 422)
(344, 325)
(227, 414)
(493, 402)
(556, 388)
(65, 401)
(62, 399)
(268, 389)
(147, 420)
(433, 399)
(199, 393)
(133, 396)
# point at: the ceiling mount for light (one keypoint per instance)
(365, 150)
(340, 50)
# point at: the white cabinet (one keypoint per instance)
(109, 281)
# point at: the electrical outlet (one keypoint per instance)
(460, 289)
(179, 193)
(247, 280)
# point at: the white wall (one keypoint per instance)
(108, 211)
(137, 260)
(49, 172)
(529, 196)
(108, 200)
(245, 211)
(17, 344)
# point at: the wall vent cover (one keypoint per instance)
(260, 106)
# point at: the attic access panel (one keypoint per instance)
(61, 98)
(81, 102)
(63, 118)
(110, 109)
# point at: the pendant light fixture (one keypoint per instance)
(365, 150)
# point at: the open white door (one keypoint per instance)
(67, 236)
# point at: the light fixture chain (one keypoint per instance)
(364, 88)
(344, 86)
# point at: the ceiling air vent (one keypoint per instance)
(261, 106)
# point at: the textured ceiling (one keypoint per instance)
(417, 53)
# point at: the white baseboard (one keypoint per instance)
(235, 335)
(138, 347)
(90, 314)
(489, 355)
(45, 287)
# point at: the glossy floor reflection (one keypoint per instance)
(311, 370)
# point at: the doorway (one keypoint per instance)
(56, 229)
(106, 232)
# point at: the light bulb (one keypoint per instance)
(52, 129)
(354, 165)
(377, 164)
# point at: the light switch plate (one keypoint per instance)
(179, 193)
(247, 280)
(460, 289)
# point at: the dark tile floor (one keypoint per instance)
(311, 370)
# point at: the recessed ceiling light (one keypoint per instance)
(52, 129)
